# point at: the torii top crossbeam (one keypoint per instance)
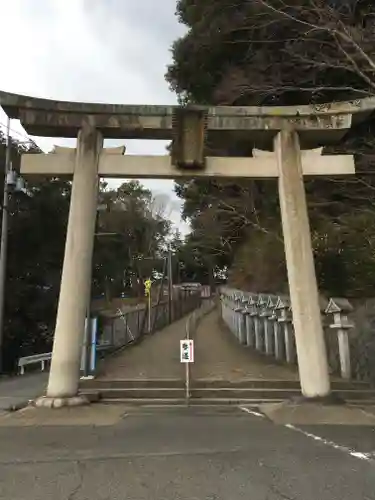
(317, 125)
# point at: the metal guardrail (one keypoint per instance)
(30, 360)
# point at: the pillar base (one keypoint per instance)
(48, 402)
(331, 399)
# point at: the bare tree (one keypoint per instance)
(318, 50)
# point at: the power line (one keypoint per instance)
(24, 136)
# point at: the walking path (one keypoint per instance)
(217, 356)
(156, 357)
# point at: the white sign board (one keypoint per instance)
(187, 351)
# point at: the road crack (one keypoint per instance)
(80, 466)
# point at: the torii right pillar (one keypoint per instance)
(311, 349)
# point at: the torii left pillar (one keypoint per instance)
(63, 380)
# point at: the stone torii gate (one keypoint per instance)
(285, 143)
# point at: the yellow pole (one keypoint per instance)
(149, 311)
(148, 284)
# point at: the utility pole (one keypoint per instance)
(178, 272)
(4, 243)
(170, 287)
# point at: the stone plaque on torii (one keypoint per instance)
(287, 144)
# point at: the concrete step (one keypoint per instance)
(102, 384)
(207, 402)
(225, 393)
(271, 393)
(271, 383)
(362, 402)
(155, 402)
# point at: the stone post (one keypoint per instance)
(233, 315)
(257, 325)
(278, 339)
(311, 349)
(227, 310)
(76, 275)
(242, 321)
(224, 307)
(268, 327)
(340, 308)
(233, 306)
(238, 312)
(228, 317)
(285, 319)
(262, 303)
(250, 335)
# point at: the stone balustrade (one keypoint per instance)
(265, 323)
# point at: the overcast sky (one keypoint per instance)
(112, 51)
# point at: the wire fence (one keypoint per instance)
(124, 328)
(110, 333)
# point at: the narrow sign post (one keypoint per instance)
(187, 357)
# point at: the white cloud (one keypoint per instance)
(91, 50)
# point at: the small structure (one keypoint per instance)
(340, 308)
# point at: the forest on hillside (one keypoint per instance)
(281, 52)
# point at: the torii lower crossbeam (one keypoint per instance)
(113, 164)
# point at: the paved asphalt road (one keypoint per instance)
(183, 454)
(15, 391)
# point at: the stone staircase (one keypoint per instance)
(216, 392)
